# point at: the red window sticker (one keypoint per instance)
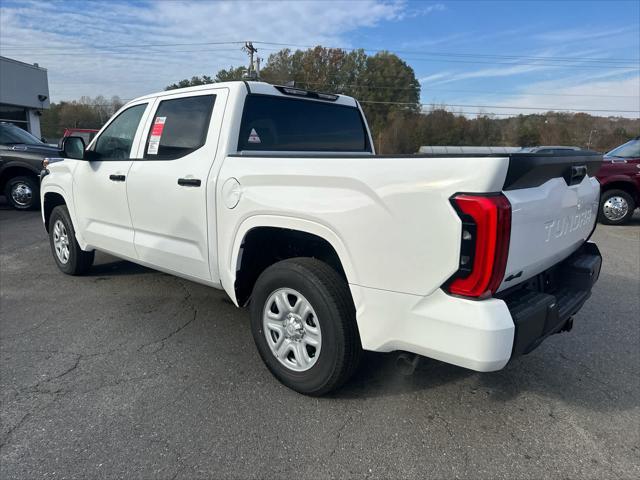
(158, 126)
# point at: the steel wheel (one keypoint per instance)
(61, 241)
(292, 329)
(22, 194)
(615, 208)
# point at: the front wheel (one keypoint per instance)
(304, 326)
(616, 207)
(69, 257)
(23, 193)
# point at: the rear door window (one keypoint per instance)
(271, 123)
(179, 127)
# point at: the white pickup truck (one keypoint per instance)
(275, 194)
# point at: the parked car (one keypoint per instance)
(551, 149)
(275, 195)
(21, 156)
(620, 182)
(86, 134)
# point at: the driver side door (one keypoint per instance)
(99, 184)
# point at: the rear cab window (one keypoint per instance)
(280, 124)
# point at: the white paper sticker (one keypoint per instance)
(153, 146)
(253, 136)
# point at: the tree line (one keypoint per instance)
(389, 93)
(87, 112)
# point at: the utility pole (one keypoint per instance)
(252, 74)
(258, 60)
(590, 133)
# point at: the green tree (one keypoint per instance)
(383, 83)
(389, 93)
(194, 82)
(87, 112)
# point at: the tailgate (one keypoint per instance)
(554, 204)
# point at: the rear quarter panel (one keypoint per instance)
(389, 219)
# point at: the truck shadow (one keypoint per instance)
(107, 266)
(591, 367)
(567, 380)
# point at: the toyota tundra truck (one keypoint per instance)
(275, 195)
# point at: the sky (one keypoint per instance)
(501, 57)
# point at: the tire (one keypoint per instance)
(616, 207)
(331, 321)
(23, 193)
(62, 238)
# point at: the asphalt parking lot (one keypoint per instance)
(131, 373)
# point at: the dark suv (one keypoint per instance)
(619, 177)
(21, 157)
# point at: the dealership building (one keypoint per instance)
(24, 93)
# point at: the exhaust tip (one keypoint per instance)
(406, 363)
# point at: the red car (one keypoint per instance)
(86, 134)
(620, 181)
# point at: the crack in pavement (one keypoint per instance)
(163, 340)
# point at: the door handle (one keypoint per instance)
(117, 178)
(189, 182)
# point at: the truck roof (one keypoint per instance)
(261, 88)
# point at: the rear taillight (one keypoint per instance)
(486, 228)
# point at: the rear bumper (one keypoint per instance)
(480, 335)
(545, 305)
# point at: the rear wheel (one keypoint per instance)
(616, 207)
(304, 326)
(69, 257)
(23, 193)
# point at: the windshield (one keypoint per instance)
(630, 149)
(12, 135)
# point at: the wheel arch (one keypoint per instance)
(50, 200)
(13, 170)
(263, 240)
(622, 184)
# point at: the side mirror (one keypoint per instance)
(73, 147)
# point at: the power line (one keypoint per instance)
(391, 87)
(241, 42)
(442, 106)
(450, 54)
(512, 63)
(610, 63)
(415, 59)
(510, 107)
(99, 47)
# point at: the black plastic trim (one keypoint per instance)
(532, 170)
(308, 93)
(546, 303)
(189, 182)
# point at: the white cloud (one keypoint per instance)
(99, 48)
(502, 71)
(619, 96)
(434, 77)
